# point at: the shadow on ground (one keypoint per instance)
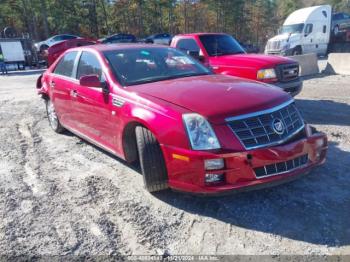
(323, 112)
(313, 209)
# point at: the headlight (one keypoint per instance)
(200, 133)
(266, 74)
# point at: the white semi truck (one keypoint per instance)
(307, 30)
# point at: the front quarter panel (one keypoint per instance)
(235, 70)
(162, 118)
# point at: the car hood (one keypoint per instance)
(215, 96)
(249, 60)
(286, 37)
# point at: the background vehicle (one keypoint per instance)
(306, 30)
(340, 23)
(118, 38)
(225, 56)
(56, 50)
(249, 48)
(162, 39)
(43, 45)
(136, 101)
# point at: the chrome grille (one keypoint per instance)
(257, 130)
(273, 45)
(287, 72)
(281, 167)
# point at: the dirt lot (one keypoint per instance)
(60, 195)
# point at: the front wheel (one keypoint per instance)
(151, 160)
(297, 51)
(52, 116)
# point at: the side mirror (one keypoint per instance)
(90, 81)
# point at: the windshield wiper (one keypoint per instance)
(145, 81)
(230, 53)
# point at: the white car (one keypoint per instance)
(43, 45)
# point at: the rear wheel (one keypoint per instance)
(52, 116)
(151, 160)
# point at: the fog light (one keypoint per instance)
(214, 164)
(214, 178)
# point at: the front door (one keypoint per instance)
(91, 105)
(309, 45)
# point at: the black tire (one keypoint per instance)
(297, 51)
(53, 118)
(152, 161)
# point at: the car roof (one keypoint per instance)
(117, 46)
(120, 34)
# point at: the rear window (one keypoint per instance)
(187, 45)
(217, 45)
(66, 64)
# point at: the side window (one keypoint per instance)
(187, 45)
(58, 38)
(89, 65)
(308, 29)
(66, 64)
(324, 29)
(67, 37)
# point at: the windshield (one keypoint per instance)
(144, 65)
(290, 29)
(217, 45)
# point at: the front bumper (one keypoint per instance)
(282, 52)
(292, 87)
(186, 170)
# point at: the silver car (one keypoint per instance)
(43, 45)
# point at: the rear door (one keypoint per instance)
(92, 106)
(61, 82)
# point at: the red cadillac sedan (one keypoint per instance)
(190, 130)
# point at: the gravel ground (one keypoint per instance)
(60, 195)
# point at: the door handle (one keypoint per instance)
(52, 84)
(73, 93)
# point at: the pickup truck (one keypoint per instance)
(224, 55)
